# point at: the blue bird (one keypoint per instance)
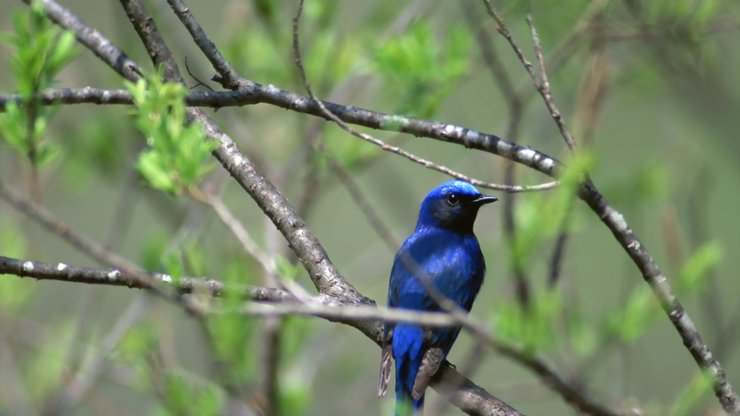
(443, 252)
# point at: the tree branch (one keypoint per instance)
(312, 255)
(307, 248)
(115, 277)
(615, 221)
(467, 396)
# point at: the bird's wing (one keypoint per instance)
(385, 369)
(430, 363)
(455, 267)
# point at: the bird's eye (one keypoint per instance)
(453, 199)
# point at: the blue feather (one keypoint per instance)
(444, 252)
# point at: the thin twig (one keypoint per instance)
(115, 277)
(379, 143)
(237, 229)
(282, 303)
(134, 275)
(556, 259)
(321, 271)
(644, 261)
(544, 87)
(76, 389)
(360, 200)
(272, 95)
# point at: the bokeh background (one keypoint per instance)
(651, 91)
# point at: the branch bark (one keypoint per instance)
(461, 391)
(307, 248)
(314, 258)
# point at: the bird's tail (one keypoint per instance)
(408, 349)
(406, 406)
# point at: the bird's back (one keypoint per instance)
(441, 259)
(451, 261)
(454, 265)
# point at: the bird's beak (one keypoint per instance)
(484, 199)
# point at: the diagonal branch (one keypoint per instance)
(271, 94)
(626, 237)
(307, 248)
(468, 397)
(277, 208)
(218, 99)
(115, 277)
(134, 275)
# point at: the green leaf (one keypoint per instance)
(421, 70)
(295, 393)
(697, 267)
(328, 59)
(176, 157)
(534, 224)
(174, 266)
(40, 52)
(642, 310)
(43, 370)
(152, 253)
(62, 53)
(533, 328)
(136, 349)
(638, 314)
(186, 396)
(699, 386)
(14, 292)
(231, 332)
(152, 167)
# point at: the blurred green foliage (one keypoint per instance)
(696, 268)
(41, 51)
(234, 337)
(642, 310)
(415, 59)
(296, 391)
(14, 293)
(543, 215)
(696, 390)
(419, 70)
(187, 397)
(534, 328)
(176, 158)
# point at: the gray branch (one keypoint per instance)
(460, 391)
(306, 246)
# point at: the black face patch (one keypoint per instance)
(455, 211)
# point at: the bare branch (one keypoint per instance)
(84, 379)
(365, 318)
(115, 277)
(237, 229)
(92, 39)
(651, 273)
(544, 87)
(272, 95)
(314, 258)
(90, 95)
(159, 53)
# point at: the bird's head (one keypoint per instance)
(452, 205)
